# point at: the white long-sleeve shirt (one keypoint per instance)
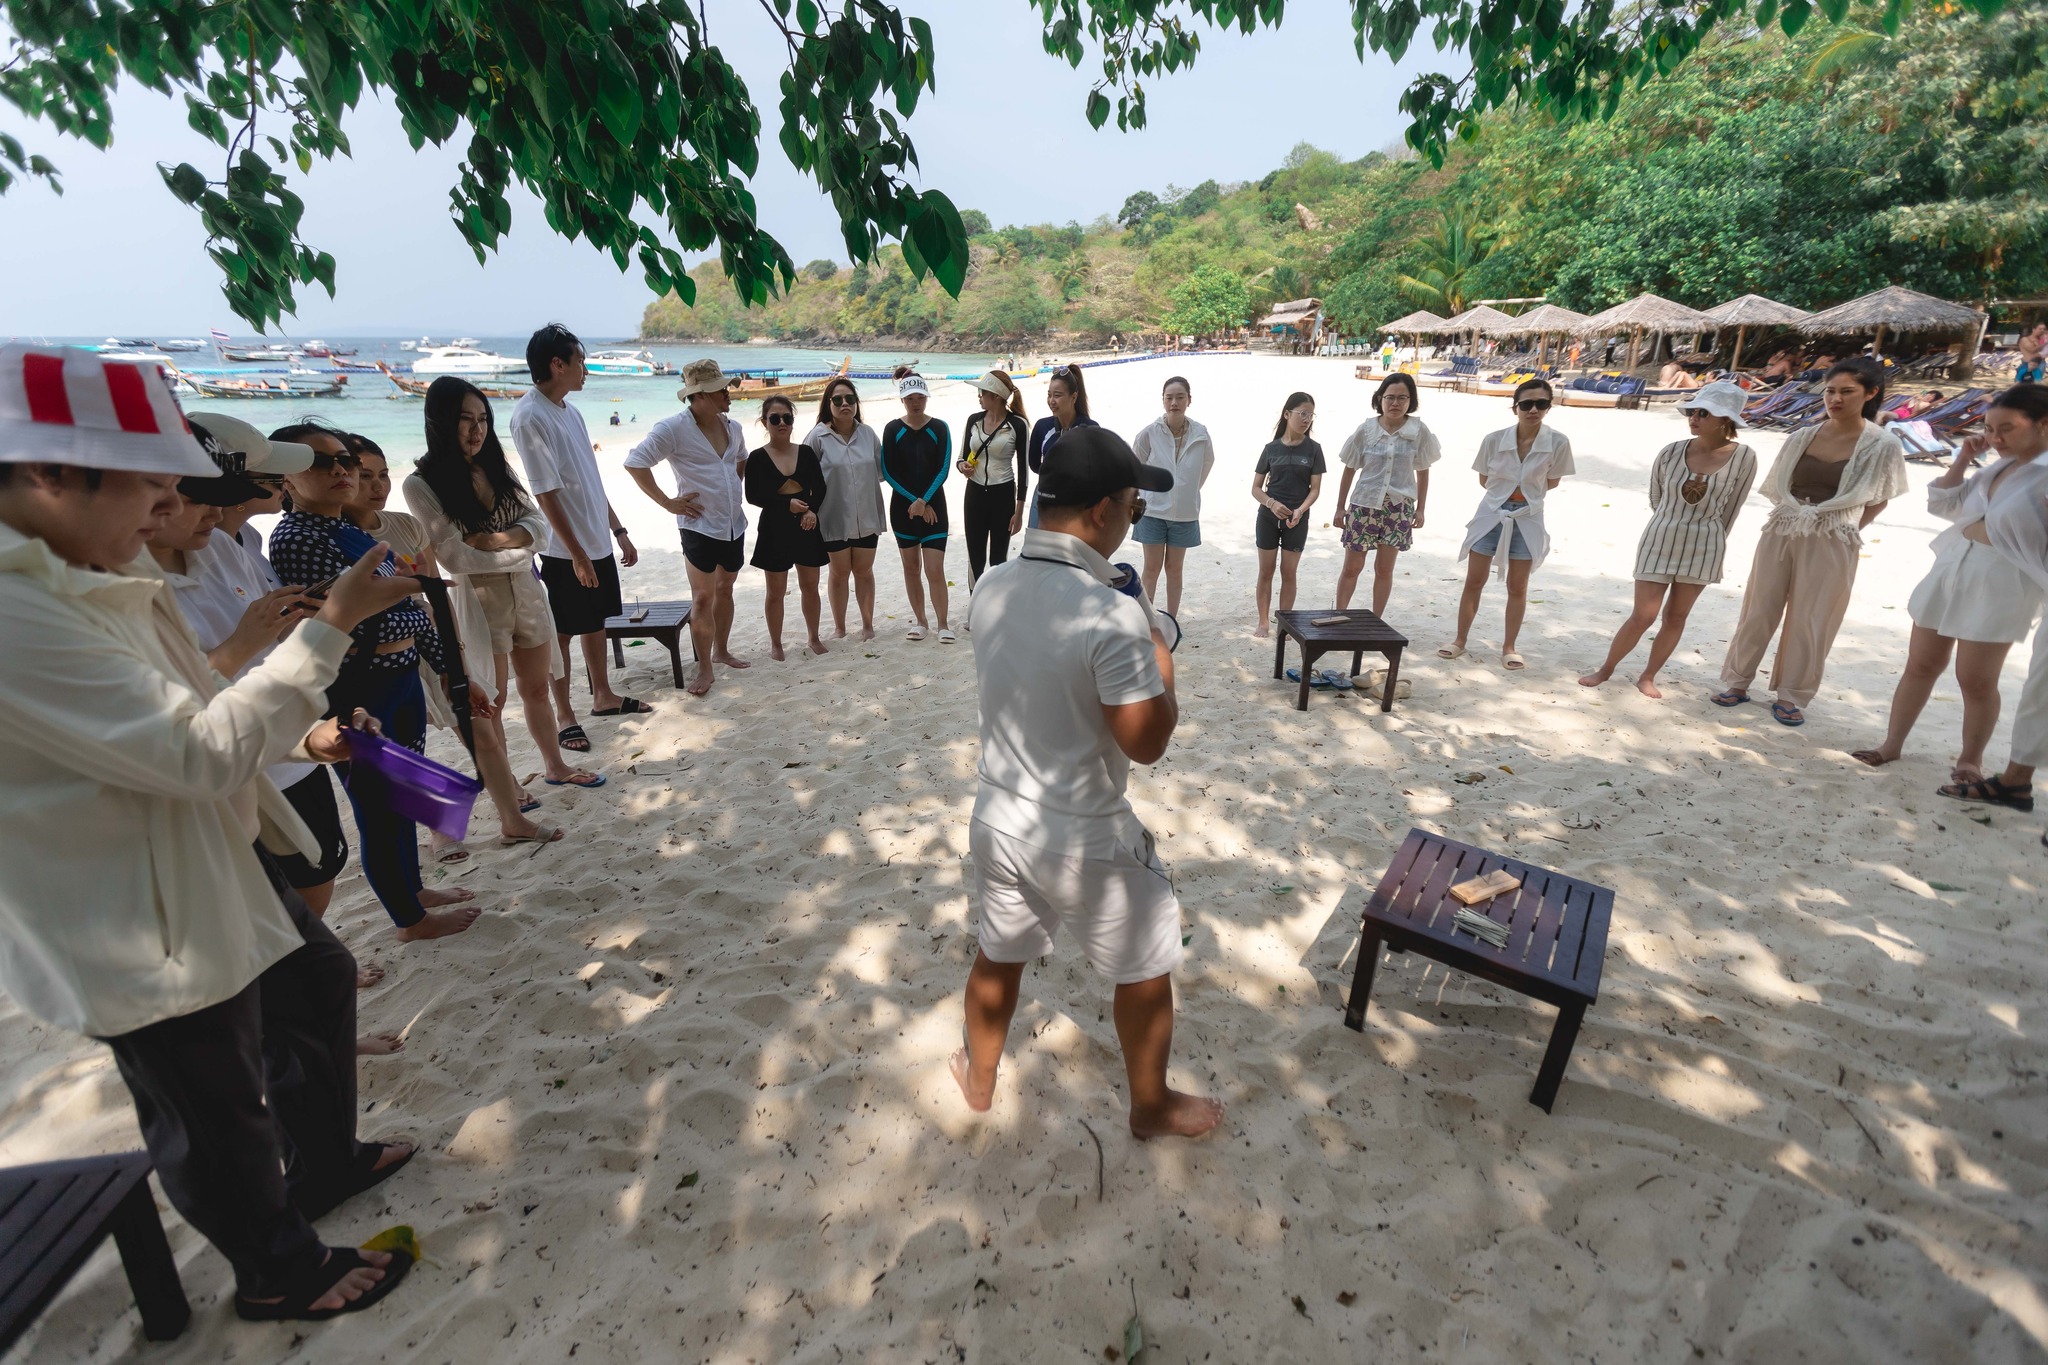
(130, 797)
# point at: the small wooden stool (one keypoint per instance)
(1557, 936)
(665, 622)
(55, 1215)
(1358, 632)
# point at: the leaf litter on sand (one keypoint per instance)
(399, 1238)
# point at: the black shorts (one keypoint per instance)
(707, 554)
(312, 796)
(1269, 534)
(833, 547)
(579, 610)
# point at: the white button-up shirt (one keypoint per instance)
(131, 792)
(1506, 473)
(853, 482)
(1197, 456)
(710, 476)
(1386, 461)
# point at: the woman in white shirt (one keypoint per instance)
(2017, 527)
(1517, 466)
(1385, 489)
(1172, 522)
(852, 518)
(992, 444)
(1975, 603)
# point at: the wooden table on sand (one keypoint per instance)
(664, 622)
(1557, 936)
(1358, 632)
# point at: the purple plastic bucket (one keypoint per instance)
(420, 789)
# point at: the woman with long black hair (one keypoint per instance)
(993, 504)
(1066, 395)
(483, 526)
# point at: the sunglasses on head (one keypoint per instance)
(326, 463)
(779, 419)
(1532, 405)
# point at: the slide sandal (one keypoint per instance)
(574, 740)
(628, 706)
(594, 780)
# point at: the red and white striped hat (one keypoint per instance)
(65, 405)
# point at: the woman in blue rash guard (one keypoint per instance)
(916, 452)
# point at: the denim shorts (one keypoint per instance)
(1183, 535)
(1489, 544)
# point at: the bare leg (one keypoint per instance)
(703, 627)
(1290, 564)
(839, 581)
(1144, 1025)
(530, 675)
(1649, 598)
(1262, 592)
(1176, 560)
(1977, 668)
(495, 766)
(1383, 562)
(1518, 602)
(440, 923)
(771, 607)
(913, 581)
(1476, 570)
(722, 629)
(935, 575)
(807, 588)
(565, 704)
(991, 1000)
(602, 698)
(1927, 656)
(317, 898)
(1347, 577)
(1677, 611)
(864, 590)
(1155, 560)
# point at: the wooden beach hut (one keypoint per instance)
(1645, 315)
(1296, 321)
(1753, 310)
(1897, 309)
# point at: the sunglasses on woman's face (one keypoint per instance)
(779, 419)
(1533, 405)
(845, 400)
(328, 463)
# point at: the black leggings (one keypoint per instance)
(988, 508)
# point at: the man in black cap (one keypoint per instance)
(1075, 680)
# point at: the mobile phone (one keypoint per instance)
(320, 589)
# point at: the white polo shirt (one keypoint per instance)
(711, 476)
(1053, 645)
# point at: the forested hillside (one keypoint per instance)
(1809, 168)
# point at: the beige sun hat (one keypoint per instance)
(1722, 398)
(260, 454)
(701, 376)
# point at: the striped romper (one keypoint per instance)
(1685, 541)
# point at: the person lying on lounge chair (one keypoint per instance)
(1676, 376)
(1909, 407)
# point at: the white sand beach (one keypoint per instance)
(682, 1092)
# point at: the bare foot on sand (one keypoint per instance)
(1262, 633)
(730, 661)
(816, 645)
(775, 651)
(1648, 687)
(434, 900)
(441, 923)
(700, 681)
(378, 1044)
(368, 974)
(1596, 677)
(979, 1097)
(839, 632)
(1181, 1116)
(867, 632)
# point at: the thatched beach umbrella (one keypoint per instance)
(1475, 320)
(1753, 310)
(1645, 313)
(1902, 310)
(1418, 324)
(1540, 322)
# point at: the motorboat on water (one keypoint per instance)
(463, 341)
(300, 383)
(262, 355)
(753, 385)
(409, 387)
(320, 350)
(466, 360)
(129, 351)
(182, 344)
(423, 344)
(623, 362)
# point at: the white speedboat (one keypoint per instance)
(137, 355)
(463, 341)
(620, 362)
(465, 360)
(184, 344)
(423, 344)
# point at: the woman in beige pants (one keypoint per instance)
(1830, 481)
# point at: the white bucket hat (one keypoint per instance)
(1722, 398)
(260, 454)
(68, 406)
(701, 376)
(912, 383)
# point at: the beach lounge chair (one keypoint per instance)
(1964, 410)
(55, 1215)
(1922, 445)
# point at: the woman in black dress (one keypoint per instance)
(787, 483)
(917, 450)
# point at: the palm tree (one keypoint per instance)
(1454, 248)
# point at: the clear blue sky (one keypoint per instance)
(1004, 133)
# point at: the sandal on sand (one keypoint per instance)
(914, 633)
(1330, 677)
(306, 1289)
(628, 706)
(1871, 758)
(1315, 679)
(574, 740)
(947, 637)
(547, 835)
(454, 853)
(1450, 652)
(1989, 791)
(1785, 713)
(361, 1175)
(585, 780)
(1730, 698)
(528, 804)
(1513, 661)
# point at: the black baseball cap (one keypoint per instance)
(233, 487)
(1088, 464)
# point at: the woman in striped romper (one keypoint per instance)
(1697, 488)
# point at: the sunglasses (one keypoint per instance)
(1137, 510)
(265, 480)
(845, 400)
(779, 419)
(1533, 405)
(327, 463)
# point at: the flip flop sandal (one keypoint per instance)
(1315, 680)
(454, 853)
(1730, 698)
(628, 706)
(1871, 758)
(574, 740)
(1989, 791)
(1330, 677)
(314, 1284)
(529, 804)
(596, 780)
(362, 1175)
(546, 836)
(1788, 715)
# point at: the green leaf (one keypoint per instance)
(399, 1238)
(184, 180)
(1098, 108)
(618, 96)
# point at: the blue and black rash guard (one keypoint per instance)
(914, 465)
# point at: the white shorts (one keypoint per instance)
(1122, 908)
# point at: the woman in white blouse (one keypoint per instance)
(1385, 489)
(1172, 523)
(1975, 603)
(851, 518)
(1517, 466)
(2017, 527)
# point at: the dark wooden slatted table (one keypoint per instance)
(1360, 631)
(1556, 941)
(665, 622)
(55, 1215)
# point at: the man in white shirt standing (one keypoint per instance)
(1075, 680)
(576, 562)
(708, 453)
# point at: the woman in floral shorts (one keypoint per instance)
(1385, 487)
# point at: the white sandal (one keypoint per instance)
(914, 633)
(947, 637)
(1450, 651)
